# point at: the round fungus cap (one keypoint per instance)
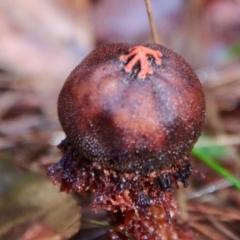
(131, 108)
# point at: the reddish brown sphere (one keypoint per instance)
(132, 116)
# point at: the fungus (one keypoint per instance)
(131, 115)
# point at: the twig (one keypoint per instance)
(151, 22)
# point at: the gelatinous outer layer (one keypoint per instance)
(128, 124)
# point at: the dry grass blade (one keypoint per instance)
(222, 78)
(226, 215)
(209, 189)
(223, 229)
(220, 140)
(207, 231)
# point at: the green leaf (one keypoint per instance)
(234, 51)
(212, 163)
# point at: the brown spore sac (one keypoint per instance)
(131, 115)
(127, 119)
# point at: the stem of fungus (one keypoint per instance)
(151, 21)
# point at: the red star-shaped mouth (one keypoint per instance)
(140, 53)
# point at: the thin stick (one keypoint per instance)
(151, 22)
